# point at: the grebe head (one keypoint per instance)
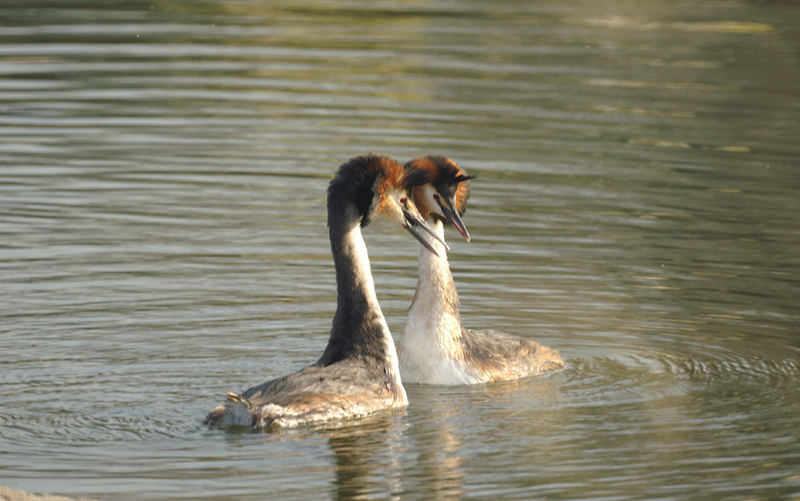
(379, 185)
(446, 192)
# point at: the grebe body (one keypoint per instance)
(434, 347)
(358, 373)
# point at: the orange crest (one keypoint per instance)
(447, 178)
(392, 179)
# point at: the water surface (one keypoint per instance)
(163, 241)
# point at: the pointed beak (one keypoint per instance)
(414, 223)
(452, 215)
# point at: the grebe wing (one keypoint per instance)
(503, 356)
(314, 393)
(344, 378)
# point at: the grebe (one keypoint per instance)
(358, 371)
(434, 348)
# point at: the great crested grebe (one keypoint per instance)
(358, 371)
(434, 348)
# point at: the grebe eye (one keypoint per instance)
(436, 196)
(403, 201)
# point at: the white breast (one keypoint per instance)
(429, 347)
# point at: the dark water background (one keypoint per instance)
(163, 168)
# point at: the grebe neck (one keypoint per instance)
(359, 328)
(434, 317)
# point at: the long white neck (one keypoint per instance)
(359, 327)
(354, 274)
(430, 345)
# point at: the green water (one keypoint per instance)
(163, 168)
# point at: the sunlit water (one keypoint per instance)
(163, 241)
